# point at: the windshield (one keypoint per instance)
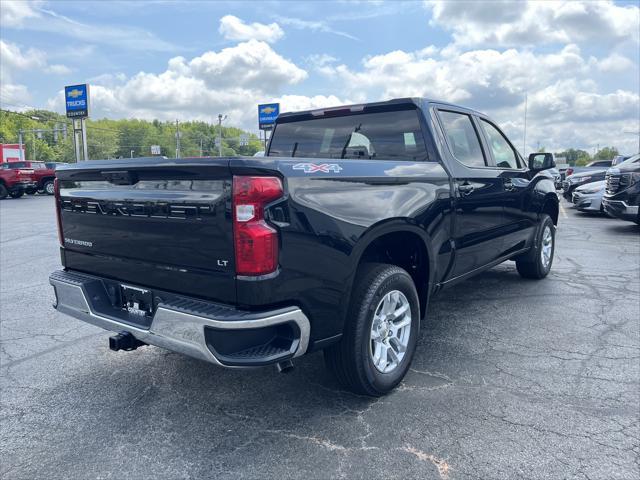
(634, 159)
(394, 135)
(11, 165)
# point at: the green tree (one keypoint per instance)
(575, 156)
(606, 153)
(117, 138)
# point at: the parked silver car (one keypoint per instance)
(588, 198)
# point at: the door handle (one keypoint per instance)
(466, 188)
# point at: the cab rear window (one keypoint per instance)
(391, 135)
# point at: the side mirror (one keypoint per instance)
(541, 161)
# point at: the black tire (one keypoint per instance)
(48, 187)
(31, 191)
(16, 194)
(533, 265)
(3, 191)
(350, 360)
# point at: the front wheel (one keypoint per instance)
(538, 264)
(16, 194)
(380, 334)
(49, 187)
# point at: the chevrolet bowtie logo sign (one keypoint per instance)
(75, 93)
(267, 114)
(77, 100)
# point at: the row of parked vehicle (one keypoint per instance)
(614, 191)
(18, 178)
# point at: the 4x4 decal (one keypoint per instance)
(313, 167)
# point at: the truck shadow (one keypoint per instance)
(132, 402)
(631, 229)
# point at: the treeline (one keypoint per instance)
(126, 138)
(119, 138)
(582, 157)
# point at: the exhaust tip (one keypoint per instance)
(285, 366)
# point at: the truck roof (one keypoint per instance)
(419, 102)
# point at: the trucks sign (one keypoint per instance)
(267, 114)
(77, 100)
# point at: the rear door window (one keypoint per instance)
(462, 138)
(503, 153)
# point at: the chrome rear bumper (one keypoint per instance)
(185, 326)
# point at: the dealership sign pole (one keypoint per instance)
(77, 107)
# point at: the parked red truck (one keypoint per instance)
(15, 181)
(44, 173)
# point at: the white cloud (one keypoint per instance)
(295, 103)
(14, 13)
(233, 28)
(15, 96)
(615, 63)
(33, 16)
(313, 26)
(232, 81)
(487, 78)
(14, 59)
(569, 101)
(509, 23)
(13, 63)
(560, 88)
(58, 69)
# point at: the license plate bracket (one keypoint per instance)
(137, 301)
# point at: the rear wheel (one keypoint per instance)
(381, 332)
(538, 264)
(3, 191)
(48, 187)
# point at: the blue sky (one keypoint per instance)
(577, 62)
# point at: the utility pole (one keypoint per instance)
(201, 146)
(634, 133)
(177, 139)
(20, 132)
(131, 153)
(524, 141)
(220, 119)
(20, 154)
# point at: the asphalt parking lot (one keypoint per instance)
(512, 379)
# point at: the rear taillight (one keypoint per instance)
(255, 242)
(56, 192)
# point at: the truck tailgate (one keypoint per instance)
(157, 223)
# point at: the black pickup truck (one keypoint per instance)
(622, 192)
(334, 241)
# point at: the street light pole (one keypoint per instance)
(131, 153)
(177, 139)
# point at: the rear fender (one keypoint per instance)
(375, 232)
